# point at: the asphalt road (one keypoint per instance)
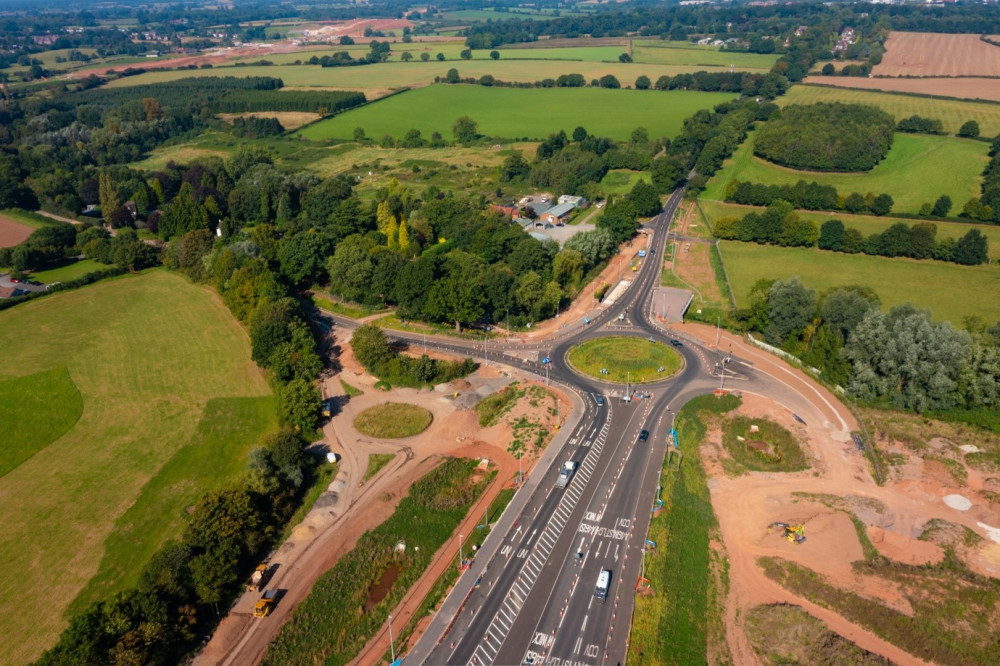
(530, 594)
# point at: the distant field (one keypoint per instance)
(937, 54)
(911, 172)
(452, 51)
(290, 120)
(171, 405)
(952, 113)
(375, 80)
(960, 88)
(866, 224)
(520, 112)
(686, 53)
(949, 291)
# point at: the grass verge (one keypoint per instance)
(785, 634)
(350, 391)
(393, 420)
(673, 625)
(376, 461)
(349, 603)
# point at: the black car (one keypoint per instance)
(676, 343)
(644, 435)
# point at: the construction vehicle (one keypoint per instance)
(266, 604)
(566, 473)
(791, 533)
(259, 578)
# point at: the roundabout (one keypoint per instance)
(620, 359)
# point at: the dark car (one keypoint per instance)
(644, 435)
(676, 343)
(600, 401)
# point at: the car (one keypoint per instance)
(600, 401)
(546, 361)
(644, 435)
(676, 343)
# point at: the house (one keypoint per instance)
(557, 214)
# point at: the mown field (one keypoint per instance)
(376, 80)
(866, 224)
(170, 405)
(951, 112)
(520, 112)
(911, 172)
(949, 291)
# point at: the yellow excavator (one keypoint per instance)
(791, 533)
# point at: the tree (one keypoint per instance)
(941, 206)
(567, 268)
(619, 218)
(495, 55)
(609, 81)
(579, 134)
(404, 236)
(828, 69)
(465, 130)
(642, 82)
(108, 196)
(854, 203)
(969, 128)
(440, 57)
(425, 56)
(645, 199)
(791, 306)
(624, 57)
(971, 249)
(906, 359)
(882, 205)
(514, 168)
(452, 76)
(466, 54)
(843, 309)
(351, 269)
(298, 405)
(406, 57)
(831, 235)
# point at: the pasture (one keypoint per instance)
(911, 172)
(938, 54)
(698, 56)
(952, 113)
(866, 224)
(949, 291)
(519, 112)
(171, 405)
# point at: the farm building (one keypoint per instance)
(557, 214)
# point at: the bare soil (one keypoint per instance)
(694, 266)
(937, 54)
(290, 120)
(12, 233)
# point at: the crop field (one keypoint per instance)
(12, 232)
(937, 54)
(963, 88)
(686, 53)
(957, 290)
(520, 112)
(911, 172)
(867, 224)
(952, 113)
(167, 404)
(376, 80)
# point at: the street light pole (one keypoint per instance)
(459, 551)
(392, 646)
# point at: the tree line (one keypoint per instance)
(810, 196)
(780, 225)
(900, 358)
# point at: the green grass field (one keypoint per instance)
(520, 112)
(688, 54)
(949, 291)
(171, 405)
(866, 224)
(625, 358)
(72, 271)
(376, 80)
(38, 409)
(393, 420)
(621, 181)
(911, 172)
(951, 112)
(28, 218)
